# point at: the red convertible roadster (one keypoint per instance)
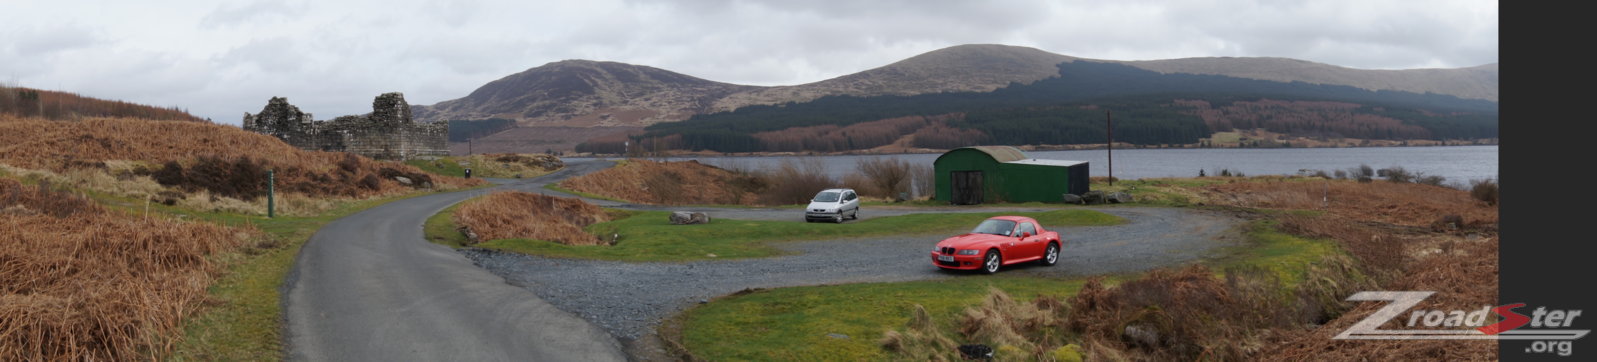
(998, 241)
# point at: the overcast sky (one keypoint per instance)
(220, 59)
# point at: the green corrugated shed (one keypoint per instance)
(974, 175)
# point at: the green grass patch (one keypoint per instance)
(440, 229)
(649, 235)
(556, 187)
(480, 165)
(1288, 256)
(1225, 138)
(1162, 191)
(792, 324)
(445, 166)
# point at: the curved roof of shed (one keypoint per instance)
(998, 153)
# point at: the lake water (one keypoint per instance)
(1458, 164)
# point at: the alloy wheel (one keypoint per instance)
(990, 265)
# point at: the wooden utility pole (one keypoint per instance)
(468, 146)
(1109, 120)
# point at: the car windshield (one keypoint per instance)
(995, 227)
(827, 196)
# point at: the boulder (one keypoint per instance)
(1141, 335)
(1073, 199)
(689, 218)
(1119, 197)
(471, 236)
(1094, 197)
(403, 180)
(976, 351)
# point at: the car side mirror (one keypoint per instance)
(1025, 235)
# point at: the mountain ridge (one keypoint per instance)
(584, 93)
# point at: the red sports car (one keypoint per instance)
(998, 241)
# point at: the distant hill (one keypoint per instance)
(1151, 108)
(1478, 82)
(617, 96)
(585, 93)
(964, 68)
(28, 102)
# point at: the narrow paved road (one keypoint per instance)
(368, 287)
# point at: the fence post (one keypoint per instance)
(271, 193)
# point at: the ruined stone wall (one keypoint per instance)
(284, 121)
(386, 133)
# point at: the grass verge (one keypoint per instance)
(439, 229)
(1287, 256)
(556, 187)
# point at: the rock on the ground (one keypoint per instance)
(1142, 335)
(1072, 199)
(403, 180)
(1094, 197)
(471, 236)
(1119, 197)
(689, 218)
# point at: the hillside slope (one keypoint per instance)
(28, 102)
(1478, 82)
(964, 68)
(585, 93)
(616, 98)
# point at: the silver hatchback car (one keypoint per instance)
(833, 205)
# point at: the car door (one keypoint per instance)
(851, 203)
(1031, 245)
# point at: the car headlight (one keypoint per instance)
(937, 249)
(968, 251)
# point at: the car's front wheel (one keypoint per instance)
(991, 262)
(1051, 256)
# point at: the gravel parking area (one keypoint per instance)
(630, 299)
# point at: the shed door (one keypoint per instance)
(967, 188)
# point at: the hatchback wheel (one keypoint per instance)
(990, 263)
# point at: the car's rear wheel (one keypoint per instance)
(991, 262)
(854, 216)
(1051, 256)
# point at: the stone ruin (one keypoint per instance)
(387, 133)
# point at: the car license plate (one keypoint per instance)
(945, 258)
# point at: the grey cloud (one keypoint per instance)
(274, 55)
(227, 15)
(36, 42)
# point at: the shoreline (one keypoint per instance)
(1027, 148)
